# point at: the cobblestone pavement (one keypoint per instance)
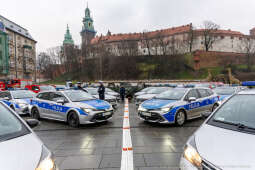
(92, 147)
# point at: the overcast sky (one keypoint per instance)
(46, 19)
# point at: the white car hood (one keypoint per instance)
(227, 149)
(22, 153)
(146, 96)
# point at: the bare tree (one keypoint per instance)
(209, 30)
(248, 47)
(191, 37)
(146, 41)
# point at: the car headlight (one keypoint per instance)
(166, 109)
(192, 156)
(46, 162)
(87, 110)
(110, 108)
(142, 109)
(190, 153)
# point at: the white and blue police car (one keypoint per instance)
(18, 100)
(72, 106)
(178, 105)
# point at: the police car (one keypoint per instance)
(226, 139)
(225, 92)
(18, 100)
(109, 98)
(178, 105)
(20, 147)
(150, 94)
(73, 106)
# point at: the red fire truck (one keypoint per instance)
(14, 83)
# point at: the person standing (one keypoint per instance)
(79, 87)
(101, 91)
(122, 93)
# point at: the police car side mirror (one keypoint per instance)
(192, 99)
(32, 122)
(61, 101)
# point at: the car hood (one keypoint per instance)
(157, 103)
(139, 93)
(146, 96)
(226, 148)
(113, 93)
(97, 104)
(22, 153)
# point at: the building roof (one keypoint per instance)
(16, 28)
(138, 36)
(224, 32)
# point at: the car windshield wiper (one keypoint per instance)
(240, 126)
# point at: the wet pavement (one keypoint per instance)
(92, 147)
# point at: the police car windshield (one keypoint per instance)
(77, 96)
(10, 126)
(47, 88)
(157, 90)
(173, 94)
(224, 91)
(239, 110)
(22, 94)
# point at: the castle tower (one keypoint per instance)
(88, 32)
(68, 45)
(68, 38)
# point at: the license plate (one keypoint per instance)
(107, 113)
(146, 114)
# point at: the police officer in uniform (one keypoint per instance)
(101, 91)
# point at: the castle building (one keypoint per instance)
(17, 51)
(174, 40)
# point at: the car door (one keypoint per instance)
(43, 103)
(58, 110)
(205, 103)
(192, 107)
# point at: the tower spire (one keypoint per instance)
(68, 37)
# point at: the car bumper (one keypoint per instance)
(186, 165)
(22, 111)
(96, 117)
(154, 118)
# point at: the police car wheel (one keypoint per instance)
(180, 118)
(35, 113)
(73, 120)
(214, 107)
(12, 107)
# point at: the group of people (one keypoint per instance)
(101, 89)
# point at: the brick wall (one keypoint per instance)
(204, 59)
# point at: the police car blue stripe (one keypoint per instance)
(57, 108)
(170, 116)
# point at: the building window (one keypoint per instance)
(222, 37)
(202, 42)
